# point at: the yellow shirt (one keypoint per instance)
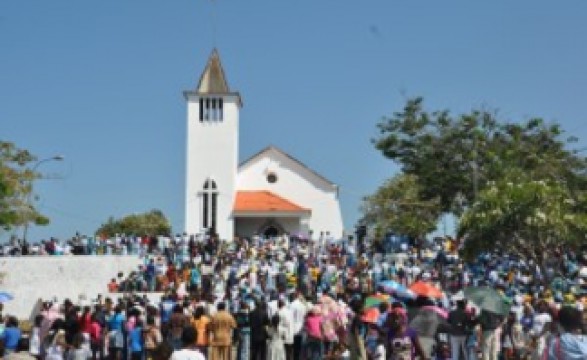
(201, 326)
(314, 272)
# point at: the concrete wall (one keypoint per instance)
(29, 278)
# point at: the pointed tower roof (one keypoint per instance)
(213, 80)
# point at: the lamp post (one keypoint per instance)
(29, 198)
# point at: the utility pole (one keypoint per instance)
(29, 199)
(475, 166)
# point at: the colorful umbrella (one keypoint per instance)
(396, 289)
(422, 288)
(370, 315)
(488, 299)
(5, 297)
(375, 300)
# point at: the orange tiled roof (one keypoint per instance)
(263, 201)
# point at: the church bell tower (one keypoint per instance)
(212, 152)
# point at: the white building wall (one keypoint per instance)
(212, 152)
(29, 278)
(297, 184)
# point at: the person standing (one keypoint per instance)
(276, 340)
(115, 334)
(458, 321)
(244, 329)
(571, 344)
(489, 324)
(403, 341)
(35, 337)
(287, 328)
(258, 321)
(187, 352)
(221, 326)
(299, 310)
(313, 328)
(136, 341)
(200, 323)
(96, 338)
(512, 338)
(152, 337)
(177, 323)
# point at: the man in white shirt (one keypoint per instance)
(272, 306)
(287, 326)
(298, 310)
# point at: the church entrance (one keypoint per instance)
(271, 229)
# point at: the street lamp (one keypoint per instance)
(29, 199)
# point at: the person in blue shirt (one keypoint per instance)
(195, 278)
(11, 335)
(165, 310)
(135, 339)
(116, 336)
(150, 273)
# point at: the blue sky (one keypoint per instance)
(100, 82)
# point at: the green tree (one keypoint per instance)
(151, 223)
(397, 206)
(526, 217)
(454, 157)
(16, 180)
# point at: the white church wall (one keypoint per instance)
(212, 152)
(29, 278)
(297, 184)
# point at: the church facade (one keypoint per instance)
(270, 194)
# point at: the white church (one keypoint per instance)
(270, 194)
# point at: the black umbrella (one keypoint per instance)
(426, 322)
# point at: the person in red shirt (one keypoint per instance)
(112, 286)
(95, 331)
(85, 320)
(171, 273)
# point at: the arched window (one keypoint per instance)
(210, 205)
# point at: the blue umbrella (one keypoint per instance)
(5, 297)
(396, 288)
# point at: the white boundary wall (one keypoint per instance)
(29, 278)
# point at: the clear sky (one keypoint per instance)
(101, 83)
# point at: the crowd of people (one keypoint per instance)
(118, 244)
(293, 298)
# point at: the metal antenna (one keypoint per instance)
(214, 42)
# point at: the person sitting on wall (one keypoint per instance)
(113, 286)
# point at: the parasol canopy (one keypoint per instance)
(426, 321)
(375, 300)
(488, 299)
(370, 315)
(397, 289)
(422, 288)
